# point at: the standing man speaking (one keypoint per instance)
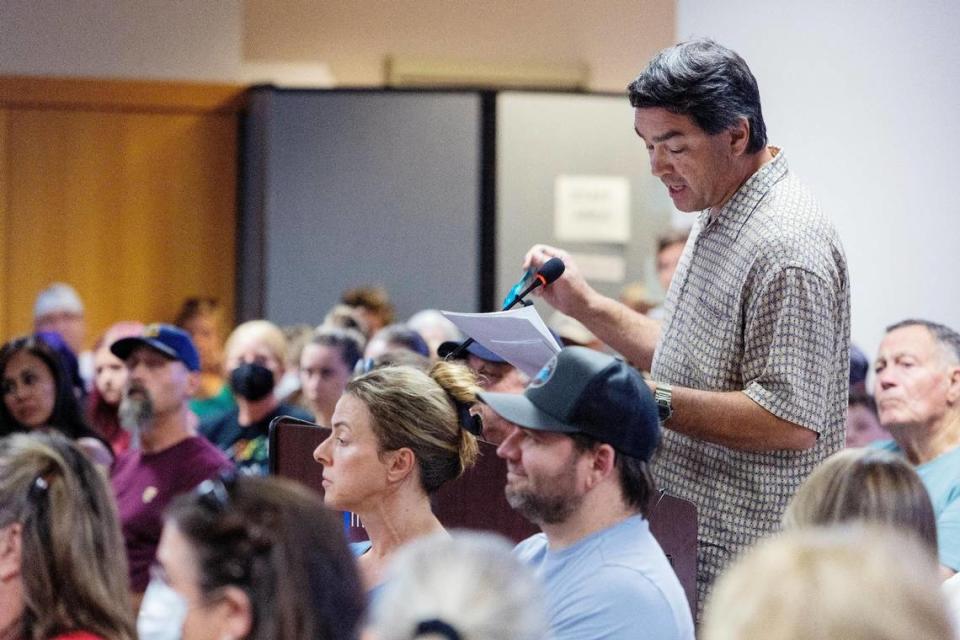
(750, 365)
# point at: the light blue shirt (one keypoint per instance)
(614, 584)
(941, 477)
(358, 549)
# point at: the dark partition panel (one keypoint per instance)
(344, 188)
(673, 522)
(434, 194)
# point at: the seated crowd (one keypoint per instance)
(134, 502)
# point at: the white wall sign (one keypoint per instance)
(592, 209)
(601, 268)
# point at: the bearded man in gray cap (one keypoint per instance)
(577, 467)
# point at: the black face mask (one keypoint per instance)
(251, 381)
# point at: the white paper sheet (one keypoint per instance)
(519, 336)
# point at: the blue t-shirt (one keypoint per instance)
(614, 584)
(358, 549)
(941, 476)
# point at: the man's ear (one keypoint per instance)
(604, 461)
(237, 613)
(953, 390)
(11, 551)
(739, 136)
(400, 463)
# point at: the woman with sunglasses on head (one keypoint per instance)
(252, 558)
(398, 435)
(38, 395)
(62, 567)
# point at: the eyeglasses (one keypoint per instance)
(254, 538)
(364, 365)
(38, 488)
(214, 493)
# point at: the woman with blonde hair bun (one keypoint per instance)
(398, 435)
(63, 572)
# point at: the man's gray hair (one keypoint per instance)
(57, 297)
(706, 81)
(470, 581)
(947, 338)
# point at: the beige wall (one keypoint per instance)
(324, 42)
(614, 38)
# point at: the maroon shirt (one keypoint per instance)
(145, 483)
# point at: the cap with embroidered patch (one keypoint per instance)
(171, 341)
(581, 390)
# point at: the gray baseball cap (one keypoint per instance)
(584, 391)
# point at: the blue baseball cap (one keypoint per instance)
(473, 349)
(584, 391)
(171, 341)
(859, 367)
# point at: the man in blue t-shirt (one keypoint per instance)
(918, 401)
(577, 467)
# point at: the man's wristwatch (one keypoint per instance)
(663, 396)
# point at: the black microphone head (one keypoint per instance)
(552, 269)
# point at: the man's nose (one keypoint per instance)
(659, 164)
(508, 448)
(884, 381)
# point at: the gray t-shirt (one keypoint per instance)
(614, 584)
(759, 303)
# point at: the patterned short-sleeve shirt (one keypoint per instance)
(760, 304)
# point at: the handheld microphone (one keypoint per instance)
(550, 271)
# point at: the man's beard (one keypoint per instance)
(136, 410)
(547, 507)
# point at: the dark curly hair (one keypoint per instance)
(274, 539)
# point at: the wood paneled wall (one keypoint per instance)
(126, 190)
